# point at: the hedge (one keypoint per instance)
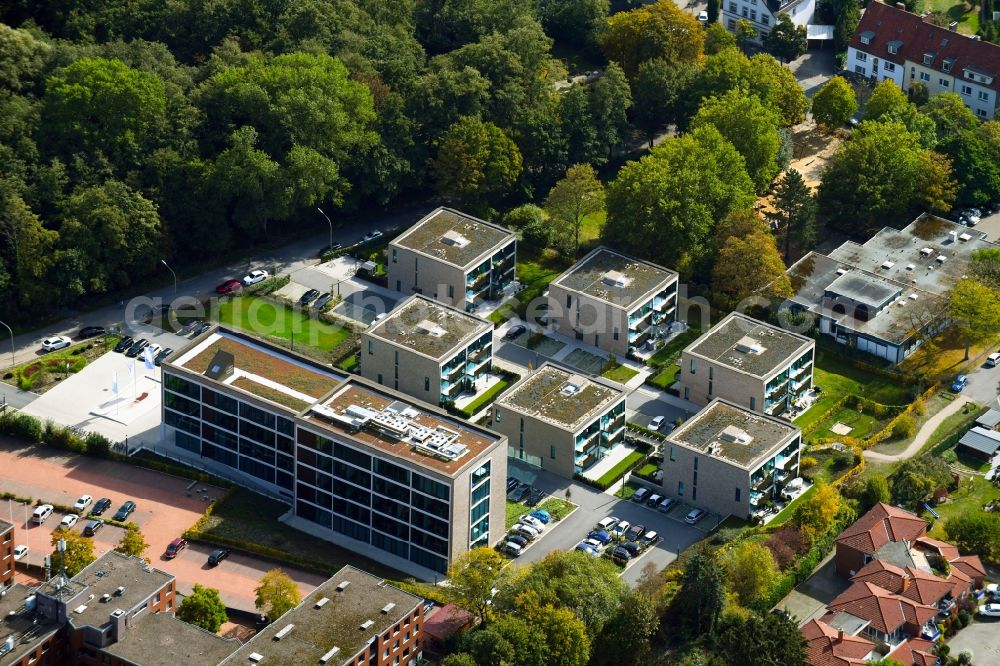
(27, 427)
(268, 286)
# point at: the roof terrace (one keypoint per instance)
(615, 278)
(453, 237)
(561, 397)
(428, 327)
(749, 345)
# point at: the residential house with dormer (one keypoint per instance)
(763, 14)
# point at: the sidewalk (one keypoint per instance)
(922, 436)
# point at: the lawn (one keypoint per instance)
(960, 421)
(626, 491)
(666, 354)
(862, 424)
(514, 511)
(649, 469)
(488, 395)
(558, 508)
(619, 470)
(620, 373)
(786, 514)
(666, 377)
(248, 519)
(590, 230)
(535, 269)
(945, 356)
(972, 496)
(268, 319)
(935, 404)
(966, 15)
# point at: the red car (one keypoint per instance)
(228, 287)
(174, 547)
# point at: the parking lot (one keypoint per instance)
(164, 510)
(594, 505)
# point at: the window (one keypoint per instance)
(966, 90)
(731, 24)
(672, 458)
(753, 14)
(696, 463)
(981, 113)
(924, 76)
(858, 69)
(569, 300)
(893, 49)
(746, 12)
(766, 20)
(694, 494)
(710, 387)
(680, 489)
(552, 452)
(614, 334)
(983, 96)
(946, 65)
(451, 291)
(496, 415)
(380, 378)
(943, 83)
(928, 59)
(427, 383)
(393, 255)
(732, 7)
(693, 366)
(865, 39)
(371, 347)
(861, 57)
(890, 67)
(753, 402)
(737, 495)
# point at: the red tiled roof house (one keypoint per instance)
(875, 535)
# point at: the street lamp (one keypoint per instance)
(12, 361)
(164, 262)
(330, 246)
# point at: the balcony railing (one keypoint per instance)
(773, 406)
(762, 482)
(771, 390)
(473, 282)
(584, 441)
(450, 373)
(798, 371)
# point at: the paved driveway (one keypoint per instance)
(594, 505)
(164, 511)
(814, 69)
(982, 639)
(809, 600)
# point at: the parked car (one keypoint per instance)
(321, 302)
(137, 347)
(330, 248)
(83, 502)
(694, 515)
(621, 556)
(174, 547)
(124, 511)
(990, 610)
(632, 547)
(20, 552)
(542, 515)
(512, 483)
(526, 531)
(584, 547)
(649, 538)
(667, 504)
(635, 533)
(654, 500)
(162, 356)
(255, 276)
(993, 360)
(68, 521)
(101, 506)
(201, 328)
(512, 549)
(532, 522)
(153, 349)
(657, 422)
(92, 527)
(56, 342)
(124, 344)
(515, 331)
(600, 536)
(703, 17)
(91, 331)
(229, 286)
(640, 495)
(607, 524)
(519, 492)
(620, 529)
(41, 513)
(371, 235)
(307, 297)
(518, 539)
(535, 496)
(960, 383)
(217, 555)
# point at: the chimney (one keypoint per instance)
(953, 26)
(906, 583)
(840, 635)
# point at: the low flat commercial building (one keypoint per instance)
(360, 464)
(353, 618)
(453, 258)
(6, 554)
(885, 296)
(729, 460)
(748, 362)
(561, 421)
(613, 301)
(428, 350)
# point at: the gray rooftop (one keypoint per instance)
(335, 624)
(453, 237)
(160, 639)
(897, 553)
(849, 624)
(909, 271)
(562, 397)
(429, 327)
(989, 419)
(729, 432)
(750, 345)
(18, 623)
(981, 439)
(105, 575)
(5, 526)
(615, 278)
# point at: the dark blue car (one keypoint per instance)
(601, 536)
(960, 383)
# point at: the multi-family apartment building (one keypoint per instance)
(361, 464)
(730, 460)
(763, 14)
(885, 296)
(906, 48)
(748, 362)
(7, 545)
(561, 421)
(428, 350)
(613, 301)
(453, 258)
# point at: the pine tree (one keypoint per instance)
(795, 212)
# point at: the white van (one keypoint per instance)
(993, 360)
(41, 514)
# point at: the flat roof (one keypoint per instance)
(160, 639)
(864, 288)
(749, 345)
(401, 427)
(315, 627)
(17, 622)
(106, 575)
(726, 431)
(5, 526)
(264, 371)
(454, 237)
(615, 278)
(562, 397)
(429, 327)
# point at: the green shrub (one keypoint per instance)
(950, 456)
(904, 427)
(964, 618)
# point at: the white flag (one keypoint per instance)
(147, 355)
(131, 368)
(114, 382)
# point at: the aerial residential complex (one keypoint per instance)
(885, 296)
(453, 258)
(748, 362)
(561, 421)
(613, 301)
(730, 460)
(361, 464)
(906, 48)
(427, 350)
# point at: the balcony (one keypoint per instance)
(475, 282)
(451, 373)
(800, 370)
(756, 497)
(585, 441)
(771, 390)
(635, 319)
(762, 483)
(773, 407)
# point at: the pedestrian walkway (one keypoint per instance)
(922, 436)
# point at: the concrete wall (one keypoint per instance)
(539, 436)
(378, 357)
(717, 481)
(727, 383)
(412, 273)
(597, 320)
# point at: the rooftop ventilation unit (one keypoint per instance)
(965, 237)
(367, 624)
(329, 655)
(105, 598)
(913, 296)
(887, 264)
(343, 585)
(387, 608)
(615, 279)
(322, 602)
(79, 609)
(570, 389)
(428, 327)
(952, 236)
(926, 252)
(120, 590)
(117, 613)
(941, 258)
(910, 267)
(287, 629)
(735, 435)
(256, 657)
(454, 239)
(748, 345)
(841, 271)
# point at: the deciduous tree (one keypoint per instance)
(473, 576)
(794, 213)
(751, 570)
(717, 37)
(276, 594)
(476, 162)
(610, 100)
(975, 311)
(702, 595)
(570, 201)
(78, 552)
(786, 41)
(875, 490)
(203, 608)
(752, 128)
(572, 19)
(834, 103)
(749, 266)
(976, 532)
(659, 87)
(745, 32)
(658, 30)
(772, 639)
(132, 543)
(817, 512)
(626, 638)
